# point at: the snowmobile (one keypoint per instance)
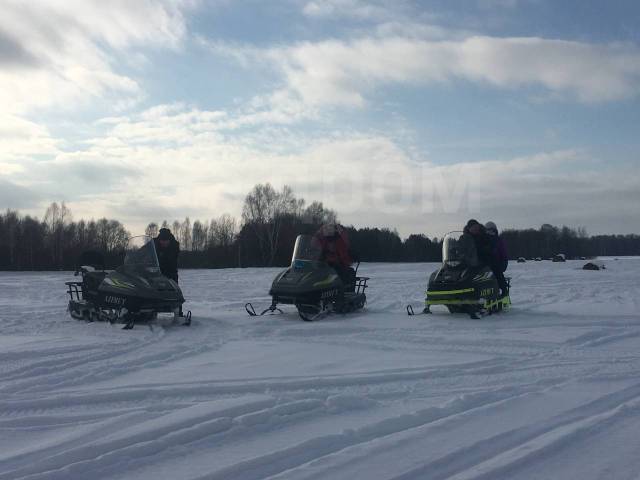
(135, 292)
(314, 287)
(462, 283)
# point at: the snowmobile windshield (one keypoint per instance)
(141, 255)
(459, 248)
(307, 249)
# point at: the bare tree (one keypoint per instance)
(185, 234)
(56, 218)
(222, 231)
(10, 232)
(264, 211)
(111, 235)
(52, 216)
(199, 236)
(151, 230)
(316, 214)
(65, 215)
(119, 236)
(175, 228)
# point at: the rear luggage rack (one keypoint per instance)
(361, 284)
(74, 289)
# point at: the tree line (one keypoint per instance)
(264, 236)
(549, 240)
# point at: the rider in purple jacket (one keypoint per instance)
(500, 257)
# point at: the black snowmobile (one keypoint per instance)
(313, 286)
(463, 284)
(135, 292)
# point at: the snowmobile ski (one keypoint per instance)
(272, 309)
(411, 311)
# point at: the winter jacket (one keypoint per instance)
(335, 250)
(168, 257)
(500, 254)
(484, 245)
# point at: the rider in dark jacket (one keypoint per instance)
(500, 248)
(491, 250)
(500, 259)
(483, 242)
(167, 249)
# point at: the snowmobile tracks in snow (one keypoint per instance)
(552, 393)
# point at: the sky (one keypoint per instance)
(414, 115)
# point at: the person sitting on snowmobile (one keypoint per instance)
(483, 242)
(334, 245)
(167, 249)
(500, 259)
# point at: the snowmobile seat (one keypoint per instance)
(90, 258)
(92, 280)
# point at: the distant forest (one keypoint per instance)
(264, 236)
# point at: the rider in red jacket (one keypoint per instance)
(334, 244)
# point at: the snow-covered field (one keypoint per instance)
(550, 390)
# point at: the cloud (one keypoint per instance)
(369, 10)
(90, 171)
(140, 171)
(345, 73)
(64, 53)
(12, 54)
(490, 4)
(21, 140)
(176, 159)
(16, 196)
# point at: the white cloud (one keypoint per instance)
(488, 4)
(177, 159)
(370, 10)
(132, 171)
(336, 72)
(67, 49)
(16, 196)
(21, 139)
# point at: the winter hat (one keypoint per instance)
(471, 223)
(164, 234)
(491, 228)
(329, 230)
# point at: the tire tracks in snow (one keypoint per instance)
(503, 454)
(156, 436)
(104, 363)
(284, 463)
(188, 391)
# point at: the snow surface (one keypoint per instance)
(550, 390)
